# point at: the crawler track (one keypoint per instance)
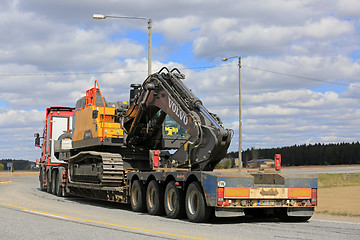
(105, 169)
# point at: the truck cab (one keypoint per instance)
(58, 121)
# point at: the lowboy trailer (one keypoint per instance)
(119, 151)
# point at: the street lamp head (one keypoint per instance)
(225, 59)
(98, 16)
(149, 21)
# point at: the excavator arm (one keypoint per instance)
(162, 94)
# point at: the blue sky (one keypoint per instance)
(165, 49)
(49, 43)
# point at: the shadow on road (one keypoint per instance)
(249, 218)
(99, 203)
(214, 220)
(245, 219)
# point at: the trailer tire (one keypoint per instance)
(42, 180)
(53, 182)
(138, 196)
(195, 204)
(174, 201)
(154, 198)
(59, 189)
(48, 182)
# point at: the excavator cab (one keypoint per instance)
(173, 134)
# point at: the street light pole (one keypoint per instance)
(240, 117)
(149, 21)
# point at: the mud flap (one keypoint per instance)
(229, 212)
(300, 211)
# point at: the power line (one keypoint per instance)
(66, 74)
(190, 68)
(279, 73)
(297, 76)
(89, 73)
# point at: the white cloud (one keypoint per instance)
(20, 118)
(268, 39)
(348, 8)
(328, 27)
(174, 28)
(315, 40)
(55, 46)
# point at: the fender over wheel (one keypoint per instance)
(154, 198)
(174, 202)
(137, 197)
(195, 204)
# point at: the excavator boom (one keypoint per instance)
(162, 94)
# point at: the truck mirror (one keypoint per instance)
(37, 142)
(95, 114)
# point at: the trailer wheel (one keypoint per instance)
(174, 201)
(195, 204)
(48, 182)
(59, 188)
(42, 180)
(154, 198)
(53, 182)
(137, 196)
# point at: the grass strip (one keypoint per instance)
(339, 213)
(328, 180)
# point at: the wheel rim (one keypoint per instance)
(193, 202)
(171, 200)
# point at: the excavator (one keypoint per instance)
(129, 132)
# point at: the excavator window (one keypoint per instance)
(172, 128)
(173, 134)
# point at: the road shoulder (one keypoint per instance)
(328, 217)
(5, 181)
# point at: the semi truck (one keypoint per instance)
(157, 152)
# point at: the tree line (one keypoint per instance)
(17, 164)
(306, 154)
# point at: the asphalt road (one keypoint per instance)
(28, 213)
